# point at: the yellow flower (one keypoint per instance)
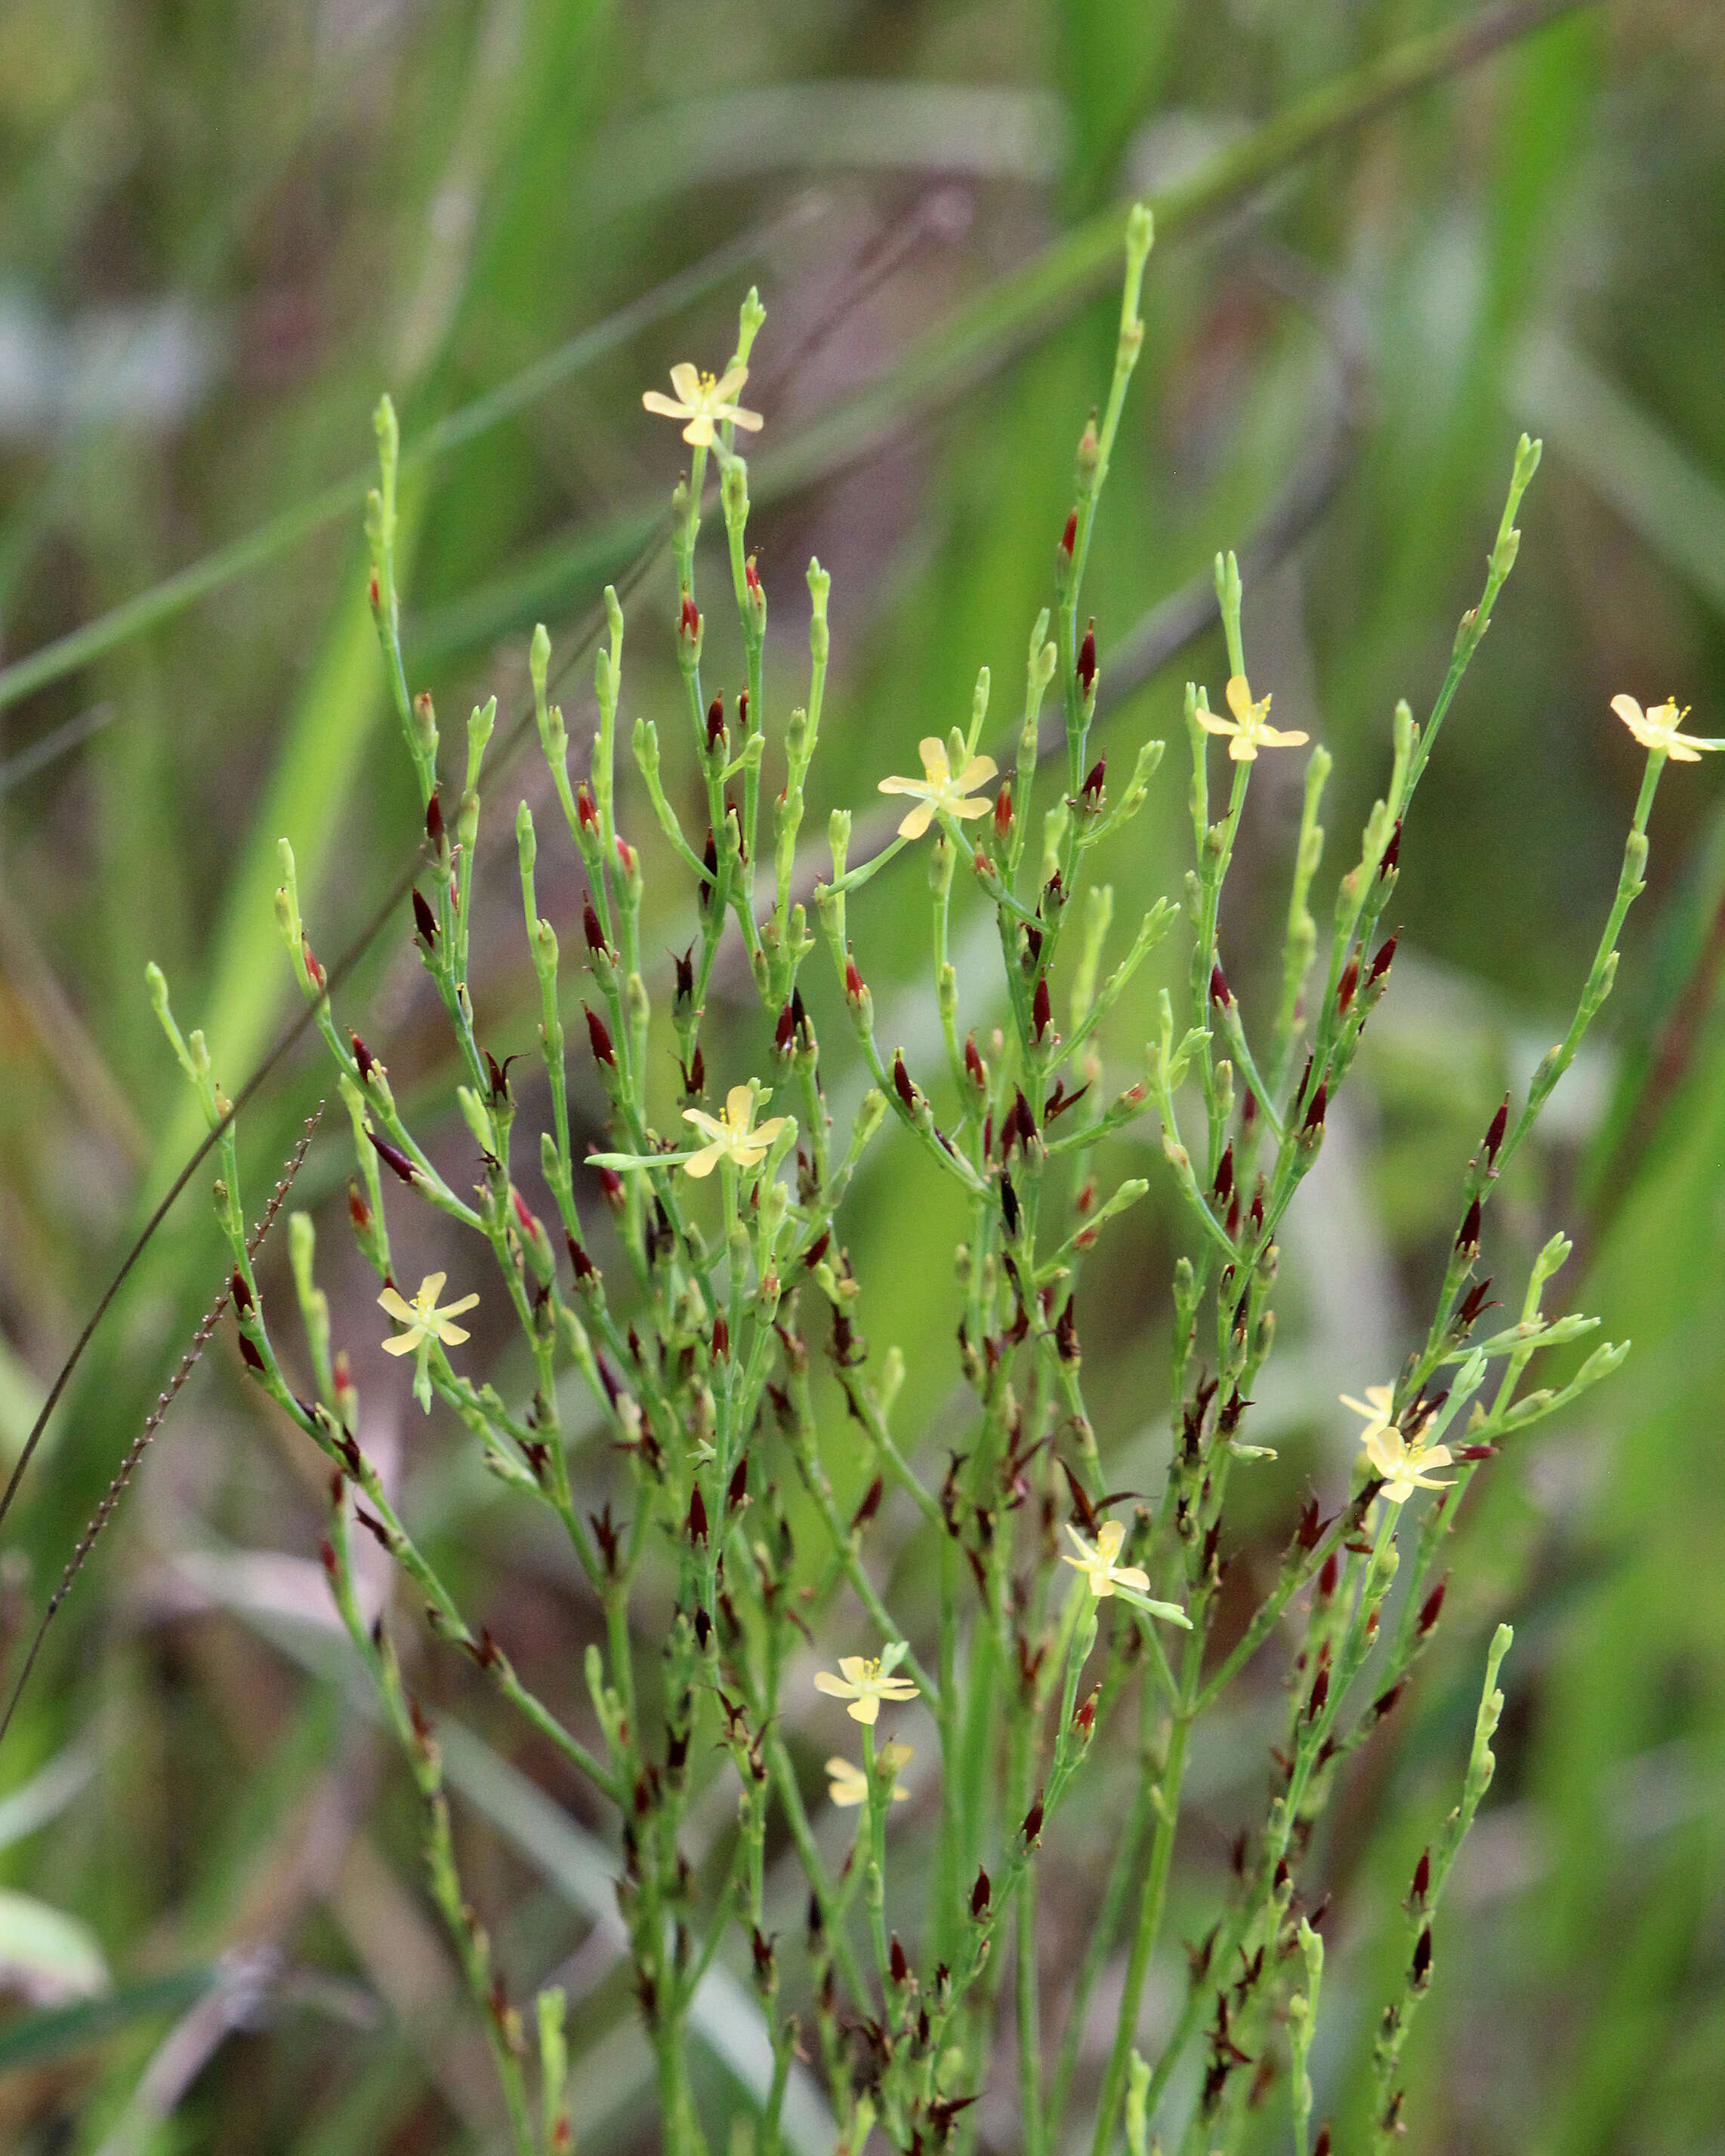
(423, 1320)
(733, 1139)
(703, 402)
(1098, 1565)
(938, 789)
(866, 1684)
(1402, 1465)
(1249, 727)
(1657, 728)
(848, 1785)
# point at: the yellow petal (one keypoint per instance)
(703, 1161)
(726, 388)
(933, 753)
(452, 1336)
(917, 786)
(977, 773)
(896, 1688)
(1109, 1537)
(1211, 724)
(1627, 710)
(1243, 750)
(1086, 1555)
(739, 1107)
(1132, 1576)
(667, 407)
(765, 1132)
(1368, 1407)
(752, 420)
(855, 1668)
(918, 821)
(685, 380)
(455, 1309)
(403, 1343)
(708, 1126)
(833, 1688)
(1682, 751)
(699, 431)
(1239, 696)
(1275, 738)
(866, 1711)
(431, 1287)
(397, 1305)
(1100, 1582)
(967, 811)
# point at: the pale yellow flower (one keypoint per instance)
(866, 1685)
(423, 1320)
(1249, 729)
(1098, 1566)
(1404, 1466)
(939, 789)
(733, 1138)
(1657, 728)
(704, 402)
(848, 1784)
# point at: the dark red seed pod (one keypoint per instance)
(1387, 1701)
(979, 1896)
(1422, 1956)
(853, 980)
(1329, 1576)
(901, 1967)
(750, 574)
(1065, 1334)
(434, 823)
(684, 963)
(1432, 1608)
(598, 1035)
(715, 721)
(689, 621)
(710, 864)
(1041, 1011)
(424, 921)
(1422, 1877)
(695, 1075)
(1086, 668)
(316, 972)
(1392, 852)
(901, 1083)
(1084, 1719)
(738, 1486)
(610, 1183)
(1494, 1135)
(721, 1338)
(590, 927)
(392, 1157)
(373, 594)
(327, 1557)
(249, 1356)
(974, 1064)
(362, 1056)
(1225, 1174)
(1346, 986)
(1069, 537)
(1321, 2147)
(585, 815)
(1473, 1303)
(697, 1515)
(1008, 1205)
(1315, 1113)
(242, 1294)
(1320, 1694)
(1095, 780)
(869, 1505)
(1032, 1828)
(1469, 1237)
(784, 1031)
(358, 1211)
(818, 1250)
(584, 1265)
(1220, 992)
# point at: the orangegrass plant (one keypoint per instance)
(1062, 1616)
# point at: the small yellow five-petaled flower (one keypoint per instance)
(1096, 1562)
(1249, 729)
(423, 1318)
(1656, 728)
(940, 789)
(1405, 1466)
(864, 1684)
(735, 1137)
(705, 402)
(847, 1784)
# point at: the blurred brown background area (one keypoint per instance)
(226, 225)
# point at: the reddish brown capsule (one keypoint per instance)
(1069, 537)
(1003, 813)
(590, 927)
(869, 1505)
(1315, 1113)
(1392, 852)
(372, 592)
(1220, 991)
(974, 1066)
(357, 1209)
(1095, 780)
(585, 815)
(853, 980)
(721, 1338)
(784, 1031)
(1320, 1694)
(1381, 964)
(697, 1515)
(424, 921)
(901, 1083)
(314, 972)
(242, 1294)
(598, 1035)
(1494, 1135)
(1469, 1237)
(684, 963)
(434, 823)
(1432, 1608)
(392, 1157)
(1422, 1956)
(689, 621)
(1224, 1175)
(1066, 1335)
(1032, 1828)
(249, 1356)
(1422, 1877)
(750, 574)
(1008, 1205)
(584, 1265)
(1329, 1576)
(362, 1056)
(738, 1488)
(1041, 1011)
(901, 1967)
(979, 1896)
(715, 721)
(1086, 667)
(1346, 986)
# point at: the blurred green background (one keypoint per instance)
(225, 226)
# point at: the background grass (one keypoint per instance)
(226, 223)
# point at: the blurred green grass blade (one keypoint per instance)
(199, 580)
(56, 2032)
(1011, 313)
(1652, 482)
